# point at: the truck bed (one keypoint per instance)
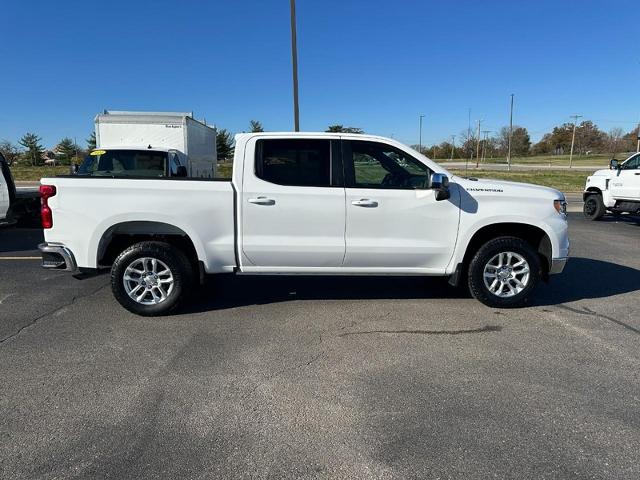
(87, 211)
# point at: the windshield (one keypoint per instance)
(128, 163)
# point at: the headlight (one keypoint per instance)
(560, 206)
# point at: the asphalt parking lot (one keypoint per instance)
(325, 377)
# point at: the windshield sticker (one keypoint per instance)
(98, 152)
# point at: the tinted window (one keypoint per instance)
(296, 162)
(632, 164)
(377, 165)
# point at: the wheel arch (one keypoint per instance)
(591, 191)
(534, 235)
(120, 236)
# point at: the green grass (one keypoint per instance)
(23, 173)
(550, 160)
(225, 170)
(563, 180)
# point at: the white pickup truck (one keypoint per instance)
(616, 190)
(306, 203)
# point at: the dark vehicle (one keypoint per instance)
(16, 205)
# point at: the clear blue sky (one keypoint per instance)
(368, 63)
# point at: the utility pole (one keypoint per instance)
(638, 135)
(420, 141)
(478, 144)
(470, 145)
(453, 145)
(510, 135)
(573, 137)
(75, 161)
(484, 145)
(294, 61)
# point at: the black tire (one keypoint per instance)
(476, 276)
(181, 272)
(593, 207)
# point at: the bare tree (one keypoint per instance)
(10, 151)
(613, 139)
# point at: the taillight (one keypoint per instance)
(46, 192)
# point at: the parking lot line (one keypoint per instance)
(20, 258)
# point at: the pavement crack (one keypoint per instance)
(485, 329)
(283, 370)
(587, 311)
(50, 312)
(4, 297)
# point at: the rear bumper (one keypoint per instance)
(557, 265)
(58, 257)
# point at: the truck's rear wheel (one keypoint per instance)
(150, 278)
(503, 272)
(594, 208)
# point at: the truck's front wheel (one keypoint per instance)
(594, 208)
(150, 278)
(503, 272)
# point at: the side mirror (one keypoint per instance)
(440, 183)
(181, 171)
(614, 164)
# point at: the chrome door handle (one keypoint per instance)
(262, 201)
(365, 202)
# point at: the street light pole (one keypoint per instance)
(470, 145)
(420, 135)
(478, 144)
(294, 62)
(484, 145)
(573, 137)
(453, 145)
(510, 135)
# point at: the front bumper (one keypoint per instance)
(58, 257)
(557, 265)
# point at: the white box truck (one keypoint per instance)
(187, 141)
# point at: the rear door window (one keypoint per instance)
(294, 162)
